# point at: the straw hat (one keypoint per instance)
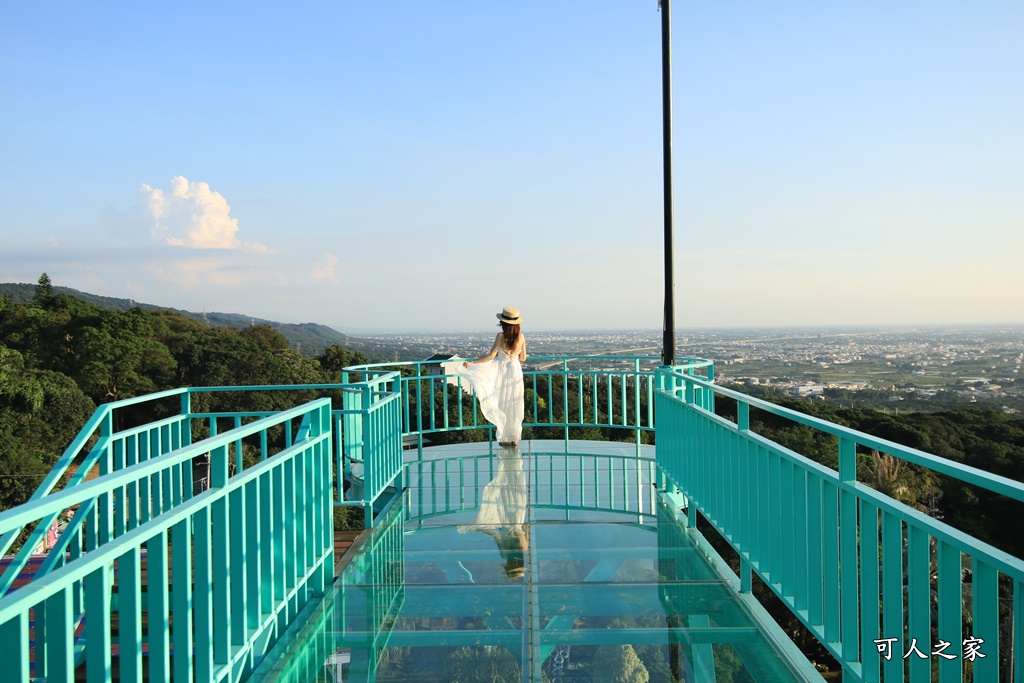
(510, 315)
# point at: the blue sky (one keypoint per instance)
(415, 166)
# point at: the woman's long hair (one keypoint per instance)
(511, 334)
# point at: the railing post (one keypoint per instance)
(743, 416)
(106, 466)
(370, 452)
(849, 598)
(565, 399)
(219, 467)
(636, 404)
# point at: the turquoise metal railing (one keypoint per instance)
(103, 446)
(371, 421)
(595, 391)
(366, 600)
(380, 573)
(253, 548)
(867, 575)
(98, 446)
(385, 402)
(558, 481)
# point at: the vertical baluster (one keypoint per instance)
(203, 595)
(301, 548)
(892, 595)
(253, 559)
(131, 503)
(129, 615)
(156, 479)
(277, 535)
(869, 591)
(950, 612)
(266, 545)
(239, 575)
(181, 558)
(145, 483)
(849, 597)
(1018, 631)
(120, 502)
(799, 539)
(166, 479)
(986, 620)
(918, 603)
(60, 636)
(830, 568)
(97, 628)
(788, 558)
(14, 645)
(157, 608)
(815, 556)
(221, 559)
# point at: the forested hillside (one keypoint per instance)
(308, 338)
(60, 356)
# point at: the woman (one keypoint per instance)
(497, 378)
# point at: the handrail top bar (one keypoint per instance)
(330, 386)
(687, 362)
(31, 511)
(88, 430)
(145, 397)
(993, 482)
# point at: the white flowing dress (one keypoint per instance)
(503, 500)
(499, 388)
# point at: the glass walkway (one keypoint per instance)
(549, 562)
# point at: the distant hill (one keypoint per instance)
(308, 338)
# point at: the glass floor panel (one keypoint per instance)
(515, 566)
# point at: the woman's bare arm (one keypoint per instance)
(522, 350)
(489, 356)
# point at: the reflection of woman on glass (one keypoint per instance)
(502, 513)
(497, 378)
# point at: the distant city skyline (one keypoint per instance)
(410, 166)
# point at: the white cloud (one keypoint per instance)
(324, 269)
(190, 214)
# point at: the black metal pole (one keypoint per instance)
(669, 335)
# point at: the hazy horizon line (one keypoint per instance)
(700, 328)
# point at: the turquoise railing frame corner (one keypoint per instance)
(371, 421)
(255, 545)
(875, 581)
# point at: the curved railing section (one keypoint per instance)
(878, 583)
(245, 555)
(568, 482)
(562, 392)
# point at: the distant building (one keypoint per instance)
(437, 366)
